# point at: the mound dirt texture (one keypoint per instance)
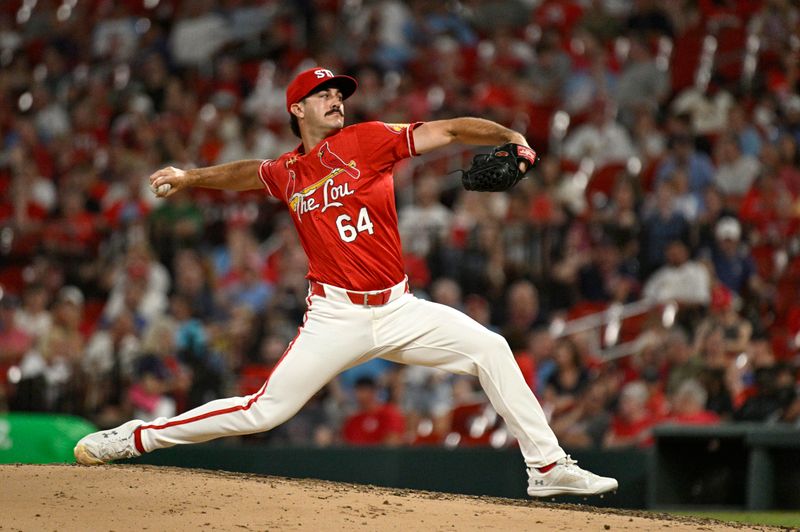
(125, 497)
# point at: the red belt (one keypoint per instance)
(368, 299)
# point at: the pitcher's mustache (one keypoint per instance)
(335, 110)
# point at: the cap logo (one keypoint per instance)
(311, 80)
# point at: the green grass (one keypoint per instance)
(787, 519)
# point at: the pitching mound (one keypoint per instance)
(124, 497)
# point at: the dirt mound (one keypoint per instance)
(125, 497)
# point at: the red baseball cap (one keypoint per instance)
(309, 80)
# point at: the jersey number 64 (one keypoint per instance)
(347, 232)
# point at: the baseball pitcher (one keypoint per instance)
(338, 187)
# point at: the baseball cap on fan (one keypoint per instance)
(312, 79)
(728, 228)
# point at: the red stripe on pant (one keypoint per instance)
(137, 433)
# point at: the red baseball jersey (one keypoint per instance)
(341, 197)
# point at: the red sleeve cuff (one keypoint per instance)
(412, 150)
(262, 170)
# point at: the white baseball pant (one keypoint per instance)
(337, 334)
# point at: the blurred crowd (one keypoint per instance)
(669, 179)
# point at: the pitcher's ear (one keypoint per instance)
(297, 109)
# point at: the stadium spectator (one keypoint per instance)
(662, 223)
(601, 139)
(620, 219)
(773, 394)
(735, 171)
(683, 155)
(716, 385)
(585, 425)
(50, 372)
(568, 380)
(316, 424)
(731, 262)
(248, 288)
(632, 424)
(649, 140)
(571, 255)
(194, 351)
(723, 313)
(74, 234)
(14, 339)
(606, 278)
(682, 363)
(198, 33)
(109, 362)
(702, 233)
(642, 84)
(148, 393)
(680, 279)
(689, 406)
(549, 69)
(140, 283)
(541, 348)
(33, 315)
(746, 134)
(425, 224)
(591, 79)
(788, 174)
(767, 204)
(447, 292)
(374, 422)
(687, 202)
(522, 313)
(427, 398)
(194, 282)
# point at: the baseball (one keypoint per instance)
(163, 189)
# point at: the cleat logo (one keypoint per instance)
(538, 482)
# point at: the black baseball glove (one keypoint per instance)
(499, 170)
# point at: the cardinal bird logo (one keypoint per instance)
(335, 164)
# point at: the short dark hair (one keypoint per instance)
(365, 381)
(295, 125)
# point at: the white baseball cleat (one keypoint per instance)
(566, 478)
(106, 445)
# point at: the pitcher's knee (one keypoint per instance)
(267, 413)
(492, 346)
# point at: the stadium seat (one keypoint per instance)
(584, 308)
(12, 279)
(601, 183)
(686, 58)
(730, 52)
(92, 311)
